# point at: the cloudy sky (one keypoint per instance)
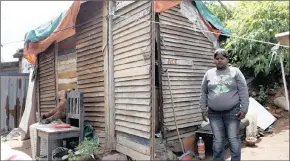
(18, 17)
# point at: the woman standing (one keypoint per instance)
(225, 100)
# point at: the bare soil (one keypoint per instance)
(273, 146)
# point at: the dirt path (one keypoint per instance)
(271, 147)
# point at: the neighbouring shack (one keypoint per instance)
(120, 59)
(179, 41)
(77, 63)
(13, 97)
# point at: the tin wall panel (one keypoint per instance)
(90, 65)
(13, 97)
(47, 80)
(132, 76)
(186, 54)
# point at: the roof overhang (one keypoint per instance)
(283, 38)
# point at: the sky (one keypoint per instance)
(19, 17)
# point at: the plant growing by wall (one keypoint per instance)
(85, 150)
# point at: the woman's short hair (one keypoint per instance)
(223, 52)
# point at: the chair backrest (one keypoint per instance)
(75, 106)
(75, 110)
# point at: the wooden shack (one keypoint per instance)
(77, 63)
(122, 72)
(146, 46)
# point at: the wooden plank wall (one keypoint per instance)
(67, 64)
(47, 81)
(90, 65)
(132, 76)
(187, 54)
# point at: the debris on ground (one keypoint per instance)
(163, 153)
(264, 117)
(115, 156)
(15, 134)
(269, 130)
(158, 135)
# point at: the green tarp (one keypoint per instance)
(210, 17)
(44, 31)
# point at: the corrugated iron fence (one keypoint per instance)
(13, 96)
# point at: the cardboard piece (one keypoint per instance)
(264, 117)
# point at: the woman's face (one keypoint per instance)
(220, 61)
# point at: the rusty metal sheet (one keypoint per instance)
(132, 75)
(47, 82)
(186, 54)
(90, 64)
(12, 103)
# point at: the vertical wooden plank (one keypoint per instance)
(106, 76)
(153, 36)
(68, 110)
(111, 77)
(38, 91)
(81, 111)
(55, 70)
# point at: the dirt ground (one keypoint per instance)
(273, 146)
(24, 146)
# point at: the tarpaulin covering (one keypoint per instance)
(43, 31)
(210, 17)
(161, 6)
(39, 40)
(212, 21)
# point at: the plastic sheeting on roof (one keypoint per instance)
(188, 10)
(38, 40)
(161, 6)
(211, 19)
(43, 31)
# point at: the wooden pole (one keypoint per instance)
(284, 80)
(0, 80)
(111, 76)
(153, 36)
(174, 112)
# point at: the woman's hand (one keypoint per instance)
(241, 115)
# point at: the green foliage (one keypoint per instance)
(85, 149)
(218, 10)
(259, 20)
(276, 87)
(263, 95)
